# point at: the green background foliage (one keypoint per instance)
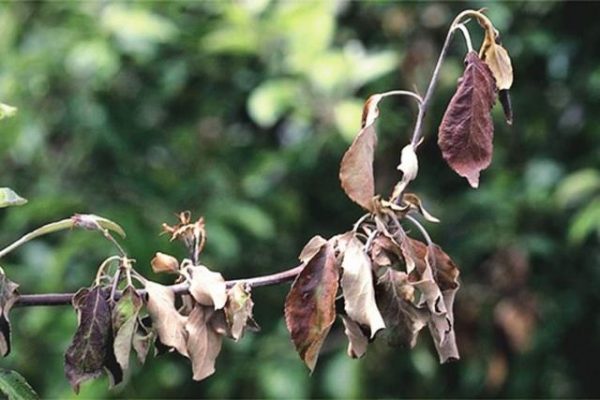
(241, 112)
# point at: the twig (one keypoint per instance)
(56, 299)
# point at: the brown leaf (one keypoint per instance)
(207, 287)
(164, 263)
(357, 287)
(356, 169)
(310, 304)
(167, 322)
(409, 165)
(203, 344)
(142, 340)
(357, 341)
(238, 309)
(311, 248)
(8, 297)
(92, 347)
(497, 58)
(124, 323)
(466, 132)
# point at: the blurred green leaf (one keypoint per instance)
(9, 198)
(585, 222)
(15, 387)
(578, 186)
(7, 111)
(268, 102)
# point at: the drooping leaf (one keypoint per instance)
(357, 287)
(207, 287)
(504, 98)
(357, 341)
(164, 263)
(395, 296)
(311, 248)
(203, 343)
(92, 347)
(409, 165)
(166, 321)
(466, 132)
(310, 304)
(15, 387)
(8, 297)
(7, 111)
(92, 222)
(238, 309)
(9, 198)
(415, 203)
(356, 168)
(497, 58)
(124, 323)
(142, 339)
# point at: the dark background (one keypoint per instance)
(241, 113)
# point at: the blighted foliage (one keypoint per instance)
(391, 285)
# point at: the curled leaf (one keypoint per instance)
(496, 57)
(357, 287)
(164, 263)
(238, 309)
(409, 165)
(310, 304)
(311, 248)
(415, 203)
(91, 350)
(15, 387)
(207, 287)
(168, 323)
(466, 132)
(203, 343)
(8, 297)
(357, 341)
(9, 197)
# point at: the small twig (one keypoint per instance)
(56, 299)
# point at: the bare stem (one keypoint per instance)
(57, 299)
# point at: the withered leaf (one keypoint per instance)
(466, 132)
(409, 165)
(203, 343)
(92, 347)
(311, 248)
(238, 309)
(167, 322)
(164, 263)
(8, 297)
(395, 296)
(124, 323)
(207, 287)
(357, 287)
(497, 58)
(142, 340)
(310, 304)
(357, 341)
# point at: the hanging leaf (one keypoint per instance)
(142, 339)
(497, 58)
(203, 343)
(357, 341)
(466, 132)
(91, 350)
(409, 165)
(164, 263)
(166, 321)
(8, 297)
(9, 198)
(124, 323)
(357, 287)
(238, 309)
(310, 304)
(207, 287)
(356, 168)
(504, 98)
(416, 204)
(395, 296)
(15, 387)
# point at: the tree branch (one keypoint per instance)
(61, 299)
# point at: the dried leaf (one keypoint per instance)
(164, 263)
(415, 203)
(203, 344)
(124, 323)
(357, 287)
(141, 341)
(504, 98)
(402, 318)
(357, 341)
(9, 198)
(311, 248)
(8, 296)
(92, 347)
(466, 132)
(497, 58)
(238, 309)
(207, 287)
(310, 304)
(167, 322)
(409, 165)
